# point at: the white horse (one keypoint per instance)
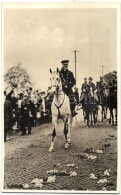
(60, 108)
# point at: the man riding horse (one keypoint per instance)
(102, 97)
(101, 86)
(112, 99)
(88, 99)
(87, 90)
(68, 81)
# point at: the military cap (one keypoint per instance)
(90, 78)
(65, 61)
(85, 78)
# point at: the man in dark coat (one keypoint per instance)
(68, 81)
(101, 86)
(76, 93)
(8, 115)
(91, 86)
(28, 115)
(84, 91)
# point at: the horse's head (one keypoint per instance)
(55, 79)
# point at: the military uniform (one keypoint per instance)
(90, 91)
(101, 86)
(68, 81)
(84, 91)
(28, 115)
(84, 87)
(91, 86)
(112, 86)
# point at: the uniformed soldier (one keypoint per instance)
(113, 84)
(84, 85)
(76, 93)
(28, 115)
(91, 86)
(101, 86)
(84, 90)
(68, 81)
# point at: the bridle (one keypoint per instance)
(57, 92)
(56, 86)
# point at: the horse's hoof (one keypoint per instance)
(51, 149)
(66, 146)
(69, 141)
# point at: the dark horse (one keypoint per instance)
(102, 101)
(90, 109)
(112, 104)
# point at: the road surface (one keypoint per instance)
(27, 158)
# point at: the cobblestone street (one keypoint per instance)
(27, 158)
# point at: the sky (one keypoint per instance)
(41, 38)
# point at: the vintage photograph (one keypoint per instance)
(60, 97)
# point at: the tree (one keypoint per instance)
(108, 77)
(17, 77)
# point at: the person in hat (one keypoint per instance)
(84, 85)
(28, 114)
(113, 84)
(101, 86)
(91, 86)
(68, 81)
(84, 91)
(113, 80)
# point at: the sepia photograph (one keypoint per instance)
(60, 97)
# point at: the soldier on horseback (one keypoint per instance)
(101, 86)
(68, 81)
(91, 87)
(112, 99)
(84, 91)
(113, 84)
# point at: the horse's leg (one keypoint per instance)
(67, 128)
(105, 112)
(84, 115)
(91, 113)
(114, 116)
(54, 122)
(110, 116)
(112, 113)
(102, 112)
(87, 116)
(95, 116)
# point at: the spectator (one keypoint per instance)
(8, 115)
(28, 115)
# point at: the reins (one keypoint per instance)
(58, 107)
